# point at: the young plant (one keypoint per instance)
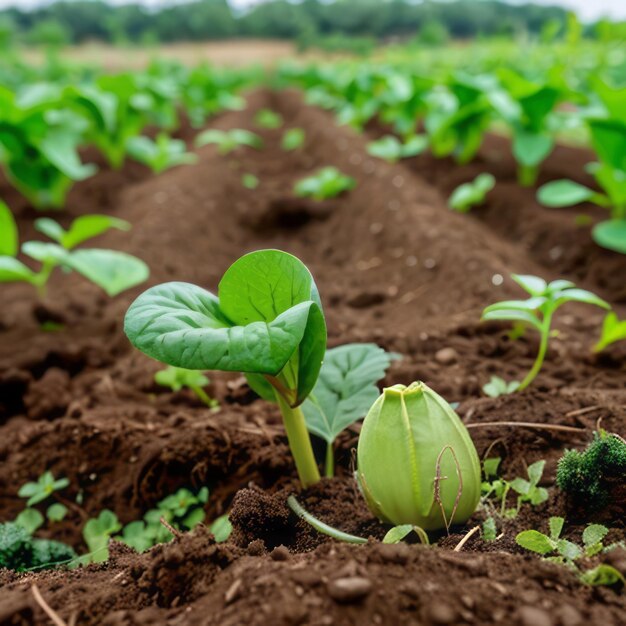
(266, 118)
(413, 427)
(327, 183)
(497, 387)
(41, 490)
(266, 322)
(292, 139)
(228, 140)
(589, 476)
(469, 195)
(249, 181)
(111, 270)
(391, 149)
(609, 140)
(344, 392)
(176, 378)
(160, 154)
(538, 310)
(613, 330)
(96, 533)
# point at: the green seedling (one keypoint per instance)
(497, 387)
(558, 550)
(538, 311)
(177, 378)
(587, 476)
(250, 181)
(399, 533)
(344, 392)
(413, 427)
(293, 139)
(221, 528)
(266, 118)
(327, 183)
(97, 532)
(110, 270)
(41, 490)
(21, 552)
(267, 323)
(56, 512)
(391, 149)
(469, 195)
(613, 330)
(160, 154)
(489, 529)
(228, 140)
(609, 140)
(30, 520)
(528, 107)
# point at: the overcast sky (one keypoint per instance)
(586, 9)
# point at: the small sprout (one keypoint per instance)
(41, 490)
(30, 520)
(266, 118)
(538, 310)
(587, 476)
(391, 149)
(56, 512)
(221, 528)
(97, 532)
(249, 181)
(497, 387)
(413, 427)
(613, 330)
(593, 536)
(160, 154)
(111, 270)
(528, 490)
(176, 378)
(490, 530)
(469, 195)
(228, 140)
(344, 392)
(603, 575)
(536, 541)
(328, 182)
(292, 139)
(399, 533)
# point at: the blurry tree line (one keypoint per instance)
(306, 21)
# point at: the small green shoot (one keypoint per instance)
(249, 181)
(221, 528)
(613, 330)
(536, 541)
(176, 378)
(293, 139)
(56, 512)
(391, 149)
(97, 532)
(228, 140)
(110, 270)
(497, 387)
(160, 154)
(266, 118)
(469, 195)
(538, 310)
(399, 533)
(30, 520)
(41, 490)
(327, 183)
(490, 529)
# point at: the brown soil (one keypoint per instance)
(394, 266)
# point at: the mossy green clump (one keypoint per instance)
(21, 552)
(587, 476)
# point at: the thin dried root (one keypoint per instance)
(459, 546)
(53, 615)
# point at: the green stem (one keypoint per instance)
(330, 460)
(527, 175)
(299, 442)
(320, 526)
(543, 348)
(204, 397)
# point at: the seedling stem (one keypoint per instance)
(543, 347)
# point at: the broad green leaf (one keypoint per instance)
(611, 235)
(397, 533)
(12, 270)
(559, 285)
(603, 574)
(612, 330)
(556, 527)
(568, 549)
(531, 149)
(531, 304)
(580, 295)
(182, 325)
(535, 541)
(562, 193)
(81, 229)
(30, 520)
(534, 285)
(512, 316)
(346, 388)
(221, 528)
(111, 270)
(608, 137)
(9, 243)
(61, 150)
(594, 533)
(47, 253)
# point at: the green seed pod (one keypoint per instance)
(416, 461)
